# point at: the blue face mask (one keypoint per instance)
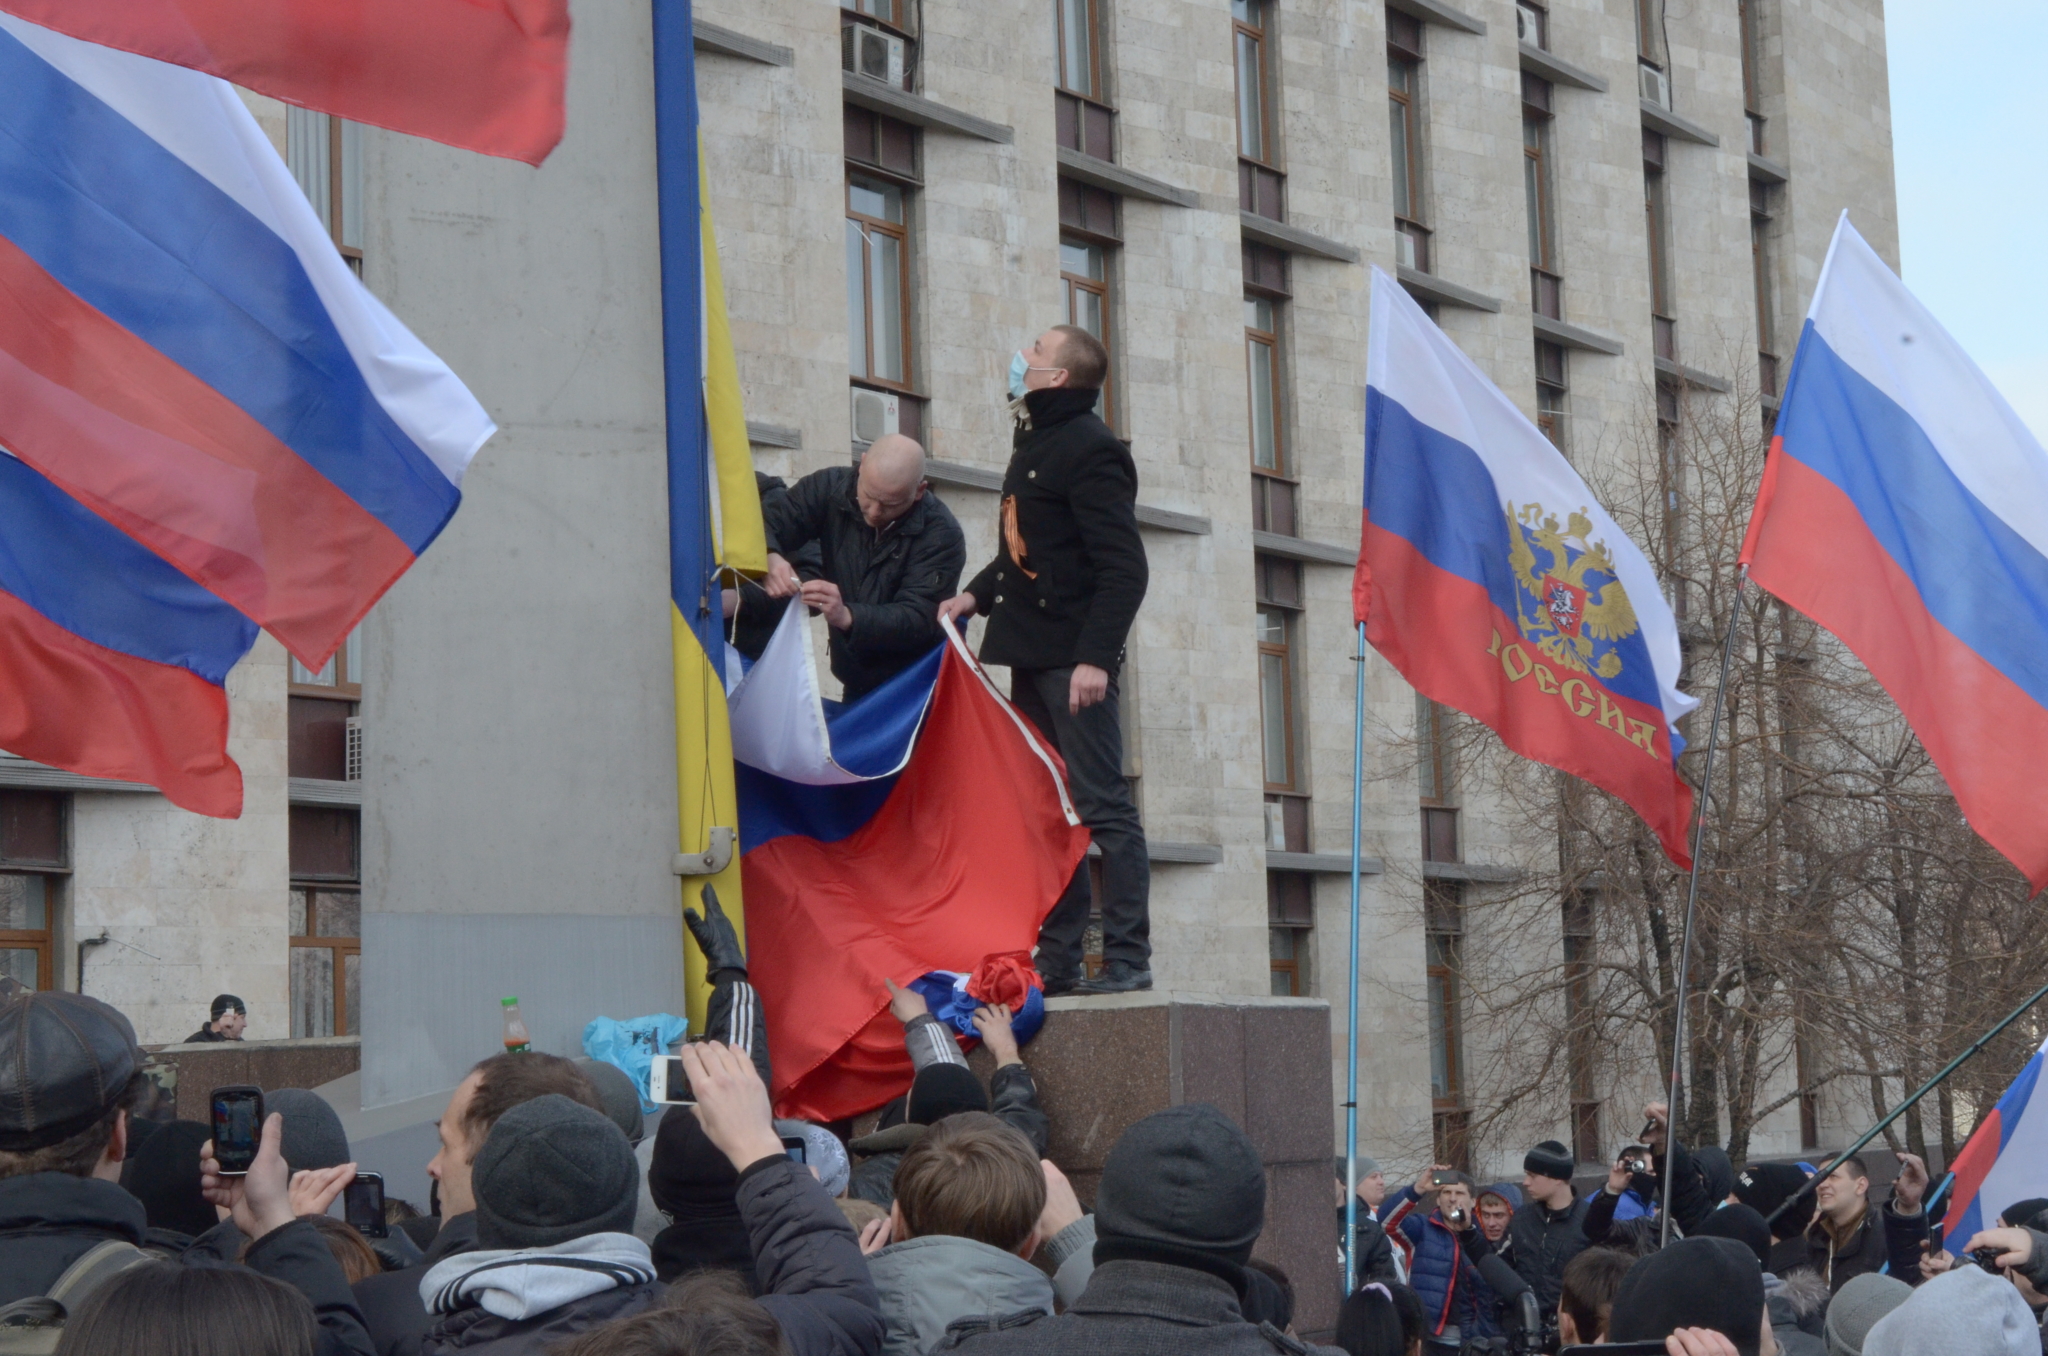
(1018, 367)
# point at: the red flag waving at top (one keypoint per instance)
(485, 75)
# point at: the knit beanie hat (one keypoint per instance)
(1855, 1310)
(822, 1151)
(697, 1187)
(313, 1134)
(1183, 1186)
(552, 1170)
(1695, 1283)
(1763, 1187)
(615, 1091)
(1964, 1312)
(2020, 1214)
(1742, 1224)
(940, 1090)
(164, 1175)
(1549, 1159)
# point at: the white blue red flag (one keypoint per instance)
(1904, 507)
(922, 828)
(184, 353)
(1490, 577)
(2005, 1160)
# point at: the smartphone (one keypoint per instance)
(796, 1147)
(1934, 1239)
(362, 1205)
(669, 1082)
(1655, 1347)
(237, 1127)
(1437, 1179)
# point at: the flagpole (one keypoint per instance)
(1351, 996)
(1692, 899)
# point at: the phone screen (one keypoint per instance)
(795, 1147)
(362, 1205)
(671, 1082)
(237, 1127)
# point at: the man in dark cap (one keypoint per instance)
(1181, 1202)
(1548, 1229)
(1711, 1283)
(229, 1018)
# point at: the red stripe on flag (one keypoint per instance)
(182, 469)
(1988, 737)
(87, 709)
(965, 858)
(1451, 642)
(1974, 1164)
(485, 75)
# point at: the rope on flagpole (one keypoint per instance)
(1351, 984)
(1692, 898)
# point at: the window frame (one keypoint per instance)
(1099, 288)
(1763, 270)
(1282, 650)
(52, 870)
(1260, 36)
(1553, 418)
(1093, 9)
(1539, 189)
(1270, 341)
(339, 948)
(1657, 233)
(900, 232)
(1443, 931)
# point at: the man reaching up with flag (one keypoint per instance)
(1060, 597)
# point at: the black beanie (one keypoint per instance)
(1183, 1185)
(942, 1090)
(1742, 1224)
(552, 1170)
(1763, 1187)
(697, 1187)
(1549, 1159)
(2020, 1214)
(163, 1173)
(1695, 1283)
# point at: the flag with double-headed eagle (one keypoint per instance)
(1490, 577)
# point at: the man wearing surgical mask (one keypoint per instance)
(1060, 597)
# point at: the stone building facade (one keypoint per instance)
(1599, 200)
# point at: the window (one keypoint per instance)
(1083, 118)
(1079, 71)
(1404, 128)
(1273, 491)
(1752, 98)
(326, 157)
(325, 922)
(1276, 697)
(1290, 914)
(1650, 32)
(1539, 193)
(1550, 392)
(319, 707)
(1764, 267)
(1444, 926)
(34, 859)
(1657, 225)
(1434, 767)
(1084, 278)
(1582, 1036)
(1258, 149)
(877, 281)
(888, 11)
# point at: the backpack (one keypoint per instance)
(32, 1326)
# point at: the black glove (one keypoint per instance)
(715, 937)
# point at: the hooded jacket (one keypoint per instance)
(928, 1283)
(390, 1301)
(521, 1300)
(1070, 569)
(48, 1220)
(1452, 1290)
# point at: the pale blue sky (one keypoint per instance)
(1970, 131)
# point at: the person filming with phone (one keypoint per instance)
(1437, 1215)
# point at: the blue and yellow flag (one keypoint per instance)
(714, 513)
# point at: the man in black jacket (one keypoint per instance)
(1548, 1230)
(1060, 597)
(891, 553)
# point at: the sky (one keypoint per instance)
(1970, 141)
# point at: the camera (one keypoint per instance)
(1635, 1158)
(1457, 1219)
(1987, 1258)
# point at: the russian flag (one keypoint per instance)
(922, 828)
(2005, 1160)
(1493, 581)
(486, 75)
(1904, 507)
(183, 351)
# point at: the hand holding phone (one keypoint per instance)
(668, 1082)
(237, 1127)
(362, 1205)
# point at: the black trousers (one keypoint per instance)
(1092, 743)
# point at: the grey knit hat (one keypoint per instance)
(1184, 1180)
(822, 1151)
(615, 1089)
(313, 1134)
(1965, 1312)
(1856, 1308)
(552, 1170)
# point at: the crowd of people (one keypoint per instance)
(1769, 1259)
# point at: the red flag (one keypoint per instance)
(485, 75)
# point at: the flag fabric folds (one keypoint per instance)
(942, 834)
(485, 75)
(183, 350)
(1491, 579)
(2005, 1159)
(1904, 507)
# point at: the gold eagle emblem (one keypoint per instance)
(1568, 602)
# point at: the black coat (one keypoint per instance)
(1375, 1249)
(390, 1301)
(1864, 1251)
(1070, 570)
(1545, 1240)
(892, 580)
(48, 1220)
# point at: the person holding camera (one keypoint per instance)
(1437, 1216)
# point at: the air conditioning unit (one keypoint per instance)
(1276, 827)
(352, 749)
(874, 414)
(871, 52)
(1656, 85)
(1529, 25)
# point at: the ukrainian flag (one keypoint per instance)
(714, 512)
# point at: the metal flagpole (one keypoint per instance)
(1692, 898)
(1351, 999)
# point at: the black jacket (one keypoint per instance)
(892, 580)
(298, 1255)
(813, 1278)
(48, 1220)
(1545, 1240)
(1013, 1100)
(390, 1302)
(754, 624)
(206, 1034)
(1864, 1251)
(1375, 1249)
(1069, 571)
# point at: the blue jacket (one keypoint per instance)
(1451, 1288)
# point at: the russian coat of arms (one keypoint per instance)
(1568, 603)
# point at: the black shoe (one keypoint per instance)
(1056, 985)
(1118, 976)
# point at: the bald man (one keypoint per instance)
(891, 553)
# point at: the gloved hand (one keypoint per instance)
(715, 936)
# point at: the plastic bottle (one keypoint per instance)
(517, 1041)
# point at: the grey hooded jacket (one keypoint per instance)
(928, 1283)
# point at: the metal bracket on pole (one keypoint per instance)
(713, 859)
